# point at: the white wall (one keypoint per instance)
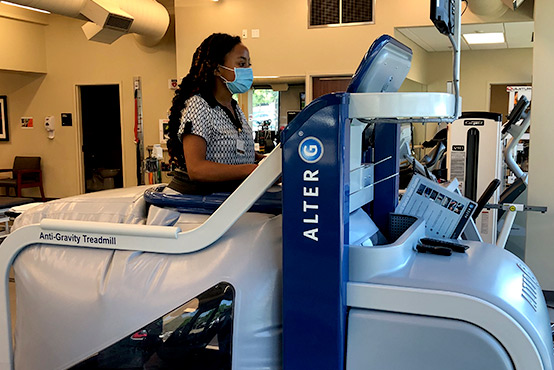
(22, 39)
(539, 253)
(286, 46)
(479, 69)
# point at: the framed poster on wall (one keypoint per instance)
(4, 134)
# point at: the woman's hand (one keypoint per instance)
(259, 157)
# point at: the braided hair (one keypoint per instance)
(200, 80)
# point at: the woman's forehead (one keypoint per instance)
(240, 51)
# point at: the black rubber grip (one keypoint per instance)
(443, 251)
(484, 199)
(455, 247)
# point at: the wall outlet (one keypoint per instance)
(49, 121)
(244, 34)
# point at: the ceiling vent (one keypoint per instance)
(108, 22)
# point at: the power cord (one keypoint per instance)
(465, 1)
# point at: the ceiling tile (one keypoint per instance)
(427, 37)
(415, 36)
(488, 46)
(482, 28)
(517, 35)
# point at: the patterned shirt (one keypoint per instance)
(225, 143)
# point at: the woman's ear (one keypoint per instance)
(216, 71)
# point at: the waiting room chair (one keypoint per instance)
(26, 173)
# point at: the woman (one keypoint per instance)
(209, 137)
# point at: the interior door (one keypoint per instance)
(101, 130)
(326, 85)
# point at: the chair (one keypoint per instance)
(26, 173)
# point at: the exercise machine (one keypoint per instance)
(474, 157)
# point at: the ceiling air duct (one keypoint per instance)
(111, 19)
(493, 8)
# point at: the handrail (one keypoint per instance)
(517, 132)
(146, 238)
(402, 107)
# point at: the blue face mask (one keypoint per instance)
(243, 80)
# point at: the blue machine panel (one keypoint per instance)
(270, 202)
(315, 260)
(387, 136)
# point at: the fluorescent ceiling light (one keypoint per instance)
(484, 38)
(25, 7)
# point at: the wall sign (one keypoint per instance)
(27, 122)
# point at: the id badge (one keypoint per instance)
(240, 147)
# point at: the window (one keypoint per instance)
(269, 108)
(265, 110)
(340, 12)
(195, 336)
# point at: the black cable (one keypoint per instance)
(467, 3)
(412, 134)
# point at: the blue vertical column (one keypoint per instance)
(387, 140)
(315, 232)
